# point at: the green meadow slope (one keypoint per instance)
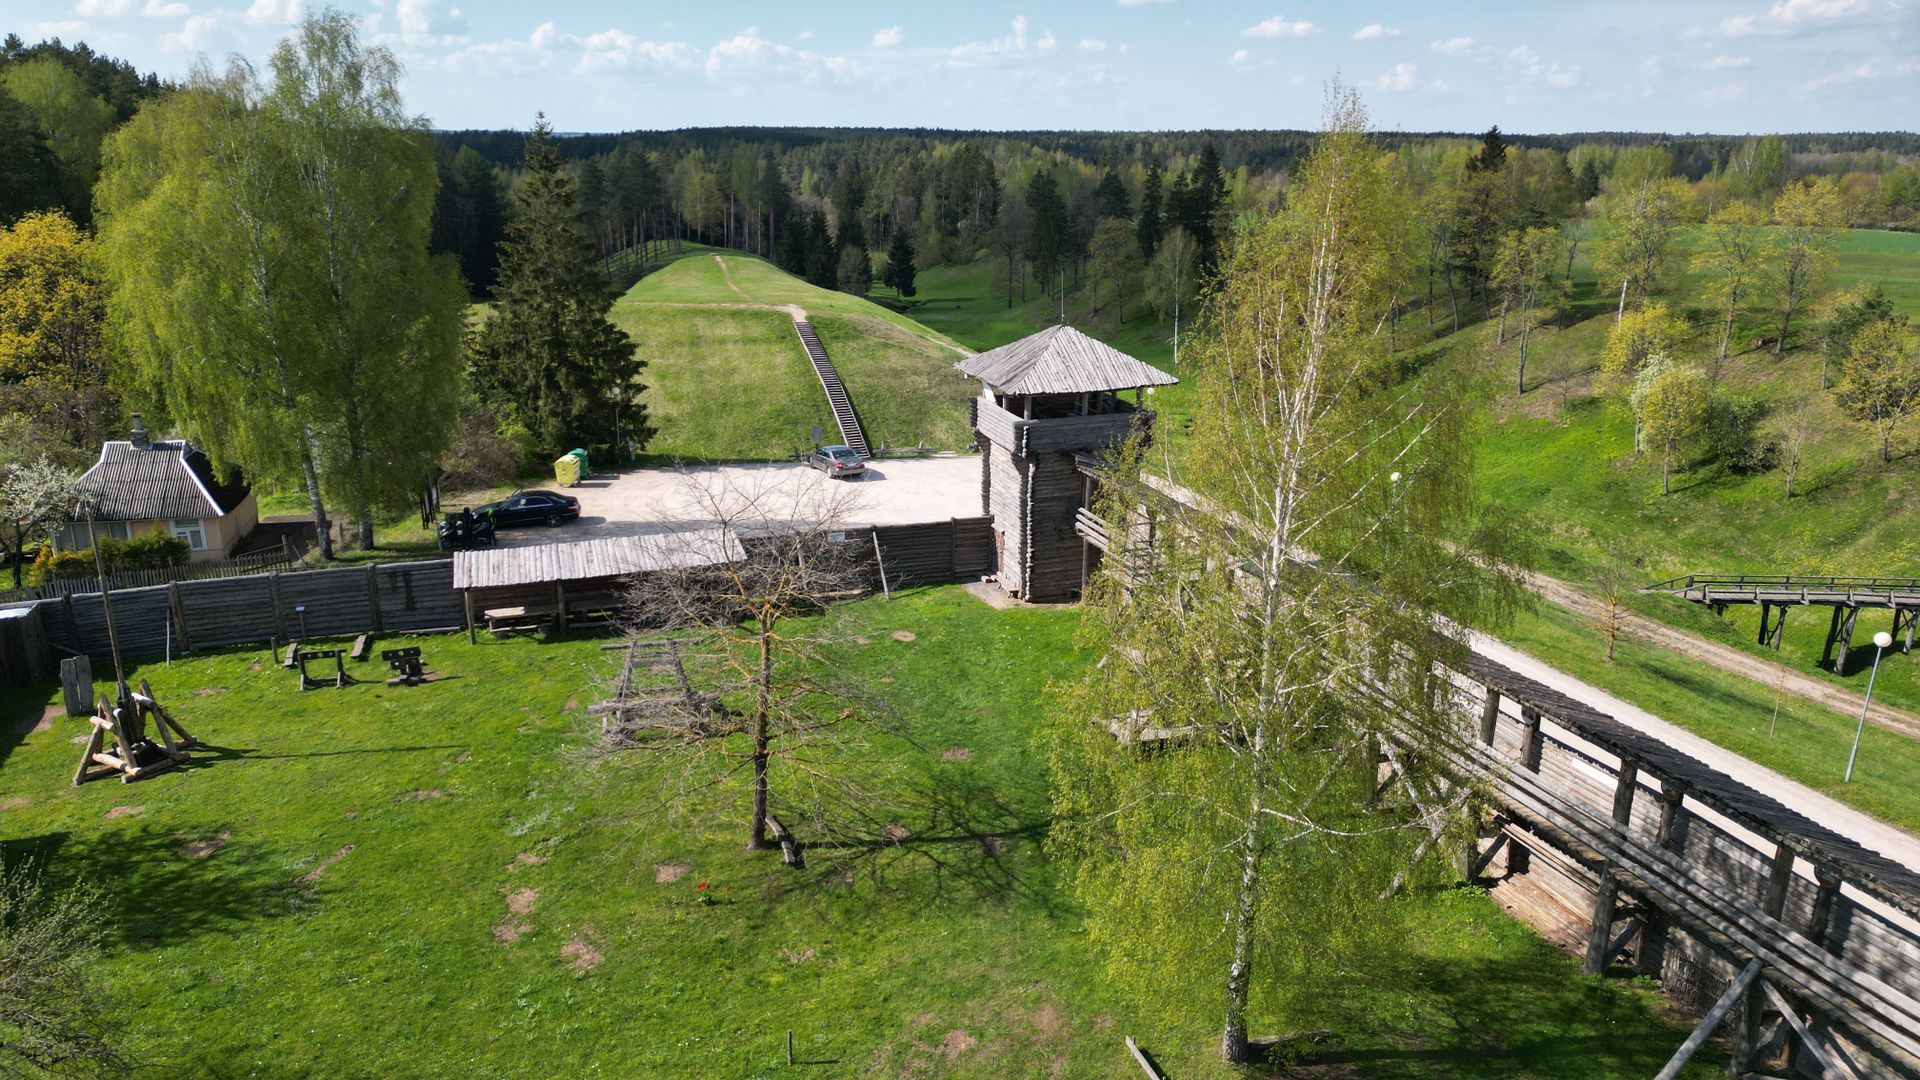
(1562, 454)
(728, 379)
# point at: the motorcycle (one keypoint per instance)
(465, 531)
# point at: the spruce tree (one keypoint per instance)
(1493, 153)
(1111, 197)
(1047, 243)
(900, 268)
(1150, 225)
(549, 354)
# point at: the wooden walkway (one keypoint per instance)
(837, 399)
(1776, 594)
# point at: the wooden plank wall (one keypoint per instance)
(1557, 896)
(1053, 561)
(1008, 509)
(220, 612)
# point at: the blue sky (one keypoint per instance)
(1551, 65)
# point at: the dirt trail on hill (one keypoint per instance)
(1725, 657)
(795, 311)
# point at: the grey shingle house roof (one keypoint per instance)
(1061, 360)
(165, 478)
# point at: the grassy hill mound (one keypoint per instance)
(728, 379)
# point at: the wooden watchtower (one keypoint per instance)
(1049, 402)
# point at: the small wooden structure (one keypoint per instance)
(560, 584)
(408, 669)
(308, 681)
(132, 753)
(1048, 397)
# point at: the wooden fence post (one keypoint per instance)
(1600, 931)
(1490, 715)
(1531, 743)
(373, 598)
(466, 596)
(179, 615)
(273, 591)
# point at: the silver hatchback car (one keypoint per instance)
(837, 461)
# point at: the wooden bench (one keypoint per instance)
(292, 658)
(360, 646)
(526, 617)
(308, 681)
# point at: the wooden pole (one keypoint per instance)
(881, 562)
(1712, 1020)
(466, 596)
(1490, 716)
(122, 697)
(789, 1046)
(179, 615)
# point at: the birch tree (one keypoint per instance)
(1671, 401)
(1809, 217)
(1734, 251)
(1634, 340)
(1523, 268)
(1636, 231)
(1172, 279)
(1283, 627)
(1881, 384)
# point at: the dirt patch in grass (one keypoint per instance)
(956, 753)
(44, 722)
(14, 802)
(209, 691)
(956, 1043)
(580, 954)
(896, 833)
(125, 811)
(1048, 1020)
(862, 639)
(796, 956)
(312, 877)
(669, 872)
(525, 859)
(520, 901)
(200, 849)
(507, 933)
(902, 635)
(417, 796)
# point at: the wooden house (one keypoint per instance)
(142, 484)
(1048, 402)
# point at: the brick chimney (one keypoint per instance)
(140, 439)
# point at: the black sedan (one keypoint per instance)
(532, 507)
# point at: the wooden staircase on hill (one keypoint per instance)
(842, 405)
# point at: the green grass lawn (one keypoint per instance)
(728, 379)
(430, 881)
(1805, 741)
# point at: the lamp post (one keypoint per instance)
(1880, 642)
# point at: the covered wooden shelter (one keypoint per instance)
(559, 584)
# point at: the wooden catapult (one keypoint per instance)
(132, 753)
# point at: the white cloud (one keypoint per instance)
(1374, 31)
(804, 35)
(1790, 11)
(275, 12)
(1092, 45)
(153, 9)
(1004, 50)
(1729, 63)
(1867, 70)
(1528, 64)
(1453, 46)
(888, 38)
(64, 28)
(194, 35)
(1278, 27)
(1403, 77)
(1240, 56)
(1725, 94)
(1740, 26)
(616, 50)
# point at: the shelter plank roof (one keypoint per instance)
(607, 557)
(1061, 360)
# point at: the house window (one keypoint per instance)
(192, 531)
(73, 537)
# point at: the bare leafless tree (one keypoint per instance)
(724, 671)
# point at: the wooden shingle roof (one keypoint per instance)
(167, 478)
(1061, 360)
(606, 557)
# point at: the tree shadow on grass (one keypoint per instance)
(159, 885)
(1472, 1017)
(939, 839)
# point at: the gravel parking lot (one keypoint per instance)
(897, 491)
